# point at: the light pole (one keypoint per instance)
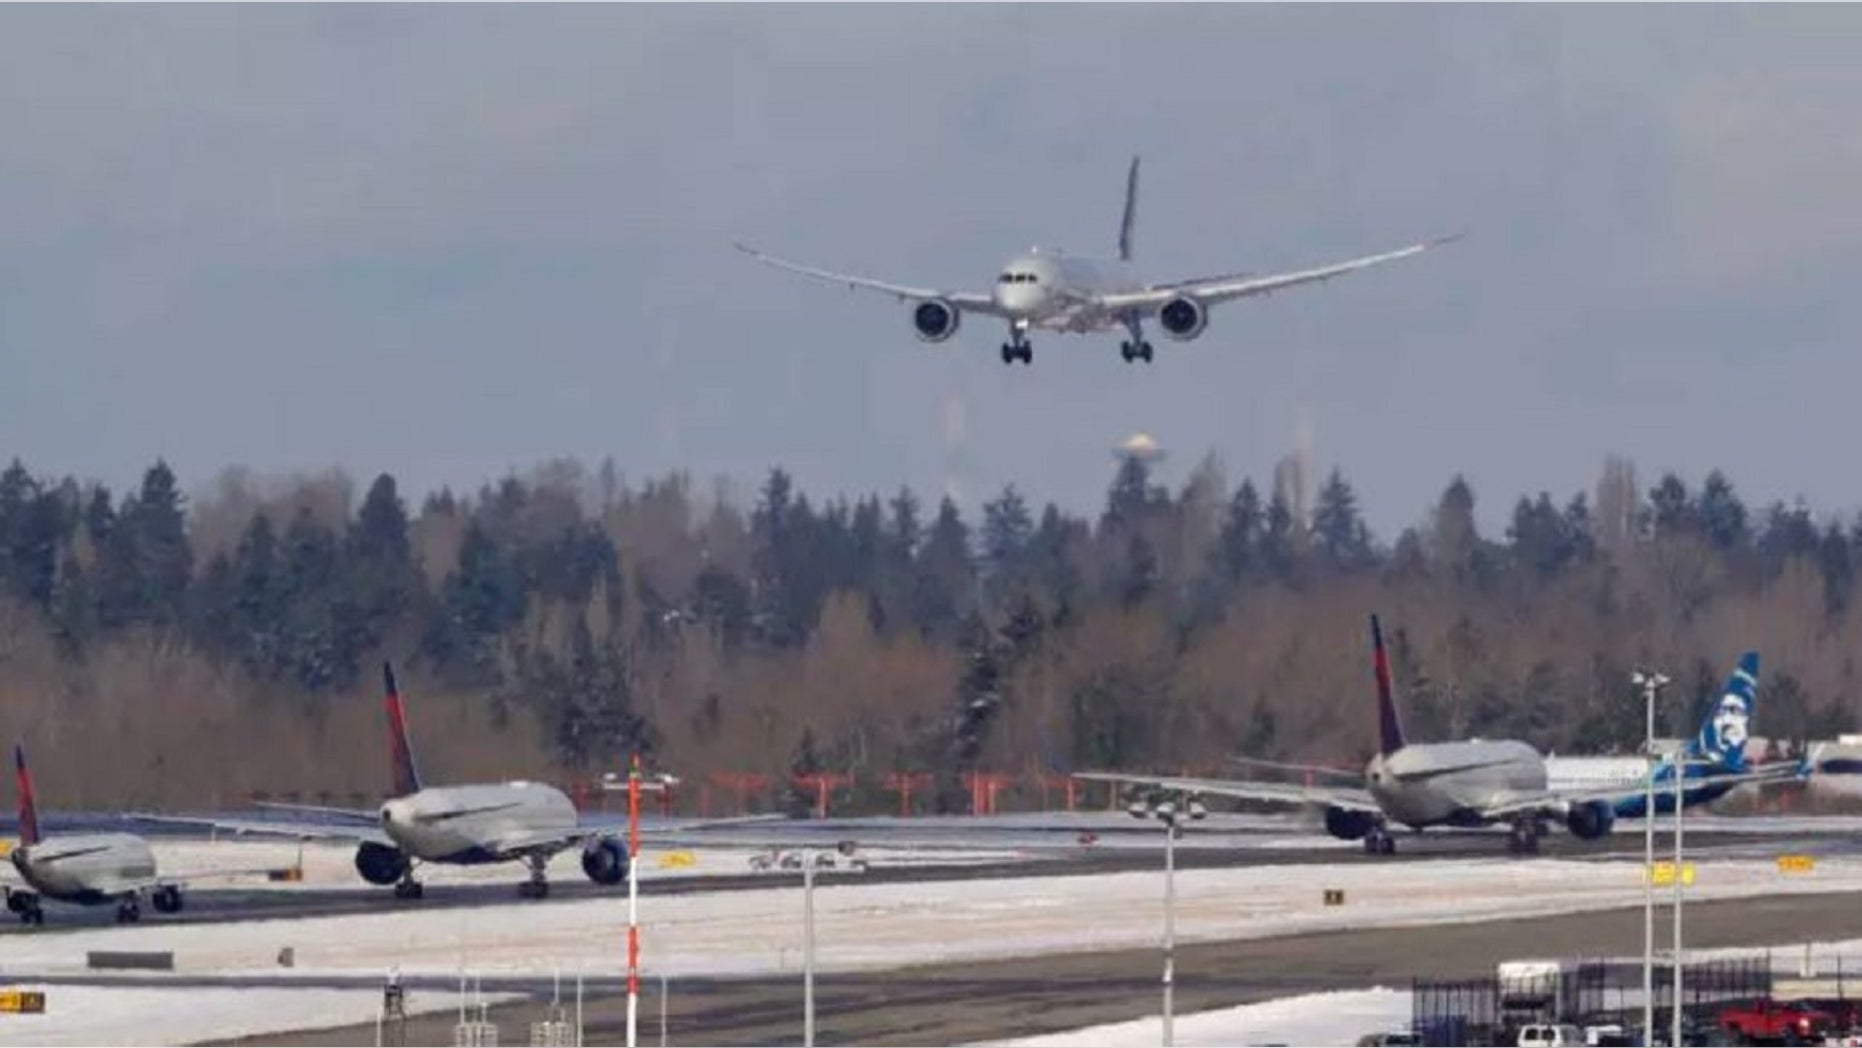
(1650, 683)
(1679, 767)
(1168, 813)
(808, 949)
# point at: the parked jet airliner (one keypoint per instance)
(1480, 782)
(1053, 291)
(526, 822)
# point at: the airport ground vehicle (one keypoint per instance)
(1549, 1035)
(1768, 1021)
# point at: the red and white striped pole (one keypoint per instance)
(633, 902)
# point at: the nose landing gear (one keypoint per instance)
(538, 886)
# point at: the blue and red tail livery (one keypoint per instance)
(28, 808)
(1389, 725)
(406, 776)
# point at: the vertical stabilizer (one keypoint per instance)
(1389, 725)
(406, 775)
(28, 808)
(1131, 212)
(1728, 724)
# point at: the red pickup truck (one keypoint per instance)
(1766, 1021)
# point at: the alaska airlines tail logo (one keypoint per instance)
(28, 808)
(1729, 726)
(406, 775)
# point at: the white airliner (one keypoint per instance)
(527, 822)
(1479, 782)
(91, 869)
(1052, 291)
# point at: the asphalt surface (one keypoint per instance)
(1014, 997)
(207, 905)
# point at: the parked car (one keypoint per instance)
(1549, 1035)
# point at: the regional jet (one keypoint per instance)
(528, 822)
(1472, 783)
(88, 870)
(1053, 291)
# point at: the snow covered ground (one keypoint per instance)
(1318, 1018)
(884, 925)
(141, 1016)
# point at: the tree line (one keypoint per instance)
(160, 648)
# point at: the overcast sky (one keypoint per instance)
(451, 241)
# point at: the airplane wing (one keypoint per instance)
(1222, 289)
(963, 300)
(1247, 789)
(303, 831)
(1557, 800)
(357, 814)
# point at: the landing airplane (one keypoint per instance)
(91, 869)
(1052, 291)
(527, 822)
(1465, 784)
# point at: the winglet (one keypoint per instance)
(406, 775)
(1131, 212)
(1389, 726)
(28, 808)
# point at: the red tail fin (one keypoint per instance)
(28, 808)
(1389, 726)
(406, 776)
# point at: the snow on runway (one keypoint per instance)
(157, 1015)
(887, 925)
(1316, 1018)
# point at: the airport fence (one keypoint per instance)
(1491, 1010)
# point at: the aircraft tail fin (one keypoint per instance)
(28, 808)
(1131, 212)
(1389, 725)
(406, 775)
(1723, 734)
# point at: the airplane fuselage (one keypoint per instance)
(1627, 773)
(1057, 292)
(463, 824)
(1450, 783)
(92, 868)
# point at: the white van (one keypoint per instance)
(1548, 1035)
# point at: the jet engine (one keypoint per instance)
(1591, 820)
(380, 864)
(1183, 318)
(1348, 825)
(935, 320)
(605, 861)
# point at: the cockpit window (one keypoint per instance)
(1018, 278)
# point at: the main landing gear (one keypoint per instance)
(1131, 351)
(537, 887)
(407, 887)
(1020, 349)
(1379, 842)
(129, 910)
(1523, 838)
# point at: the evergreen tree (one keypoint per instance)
(1722, 515)
(1237, 548)
(946, 574)
(1340, 534)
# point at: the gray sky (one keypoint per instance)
(449, 241)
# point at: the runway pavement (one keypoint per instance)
(958, 1003)
(209, 905)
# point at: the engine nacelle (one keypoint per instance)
(605, 861)
(935, 320)
(1348, 825)
(1183, 318)
(380, 864)
(1591, 820)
